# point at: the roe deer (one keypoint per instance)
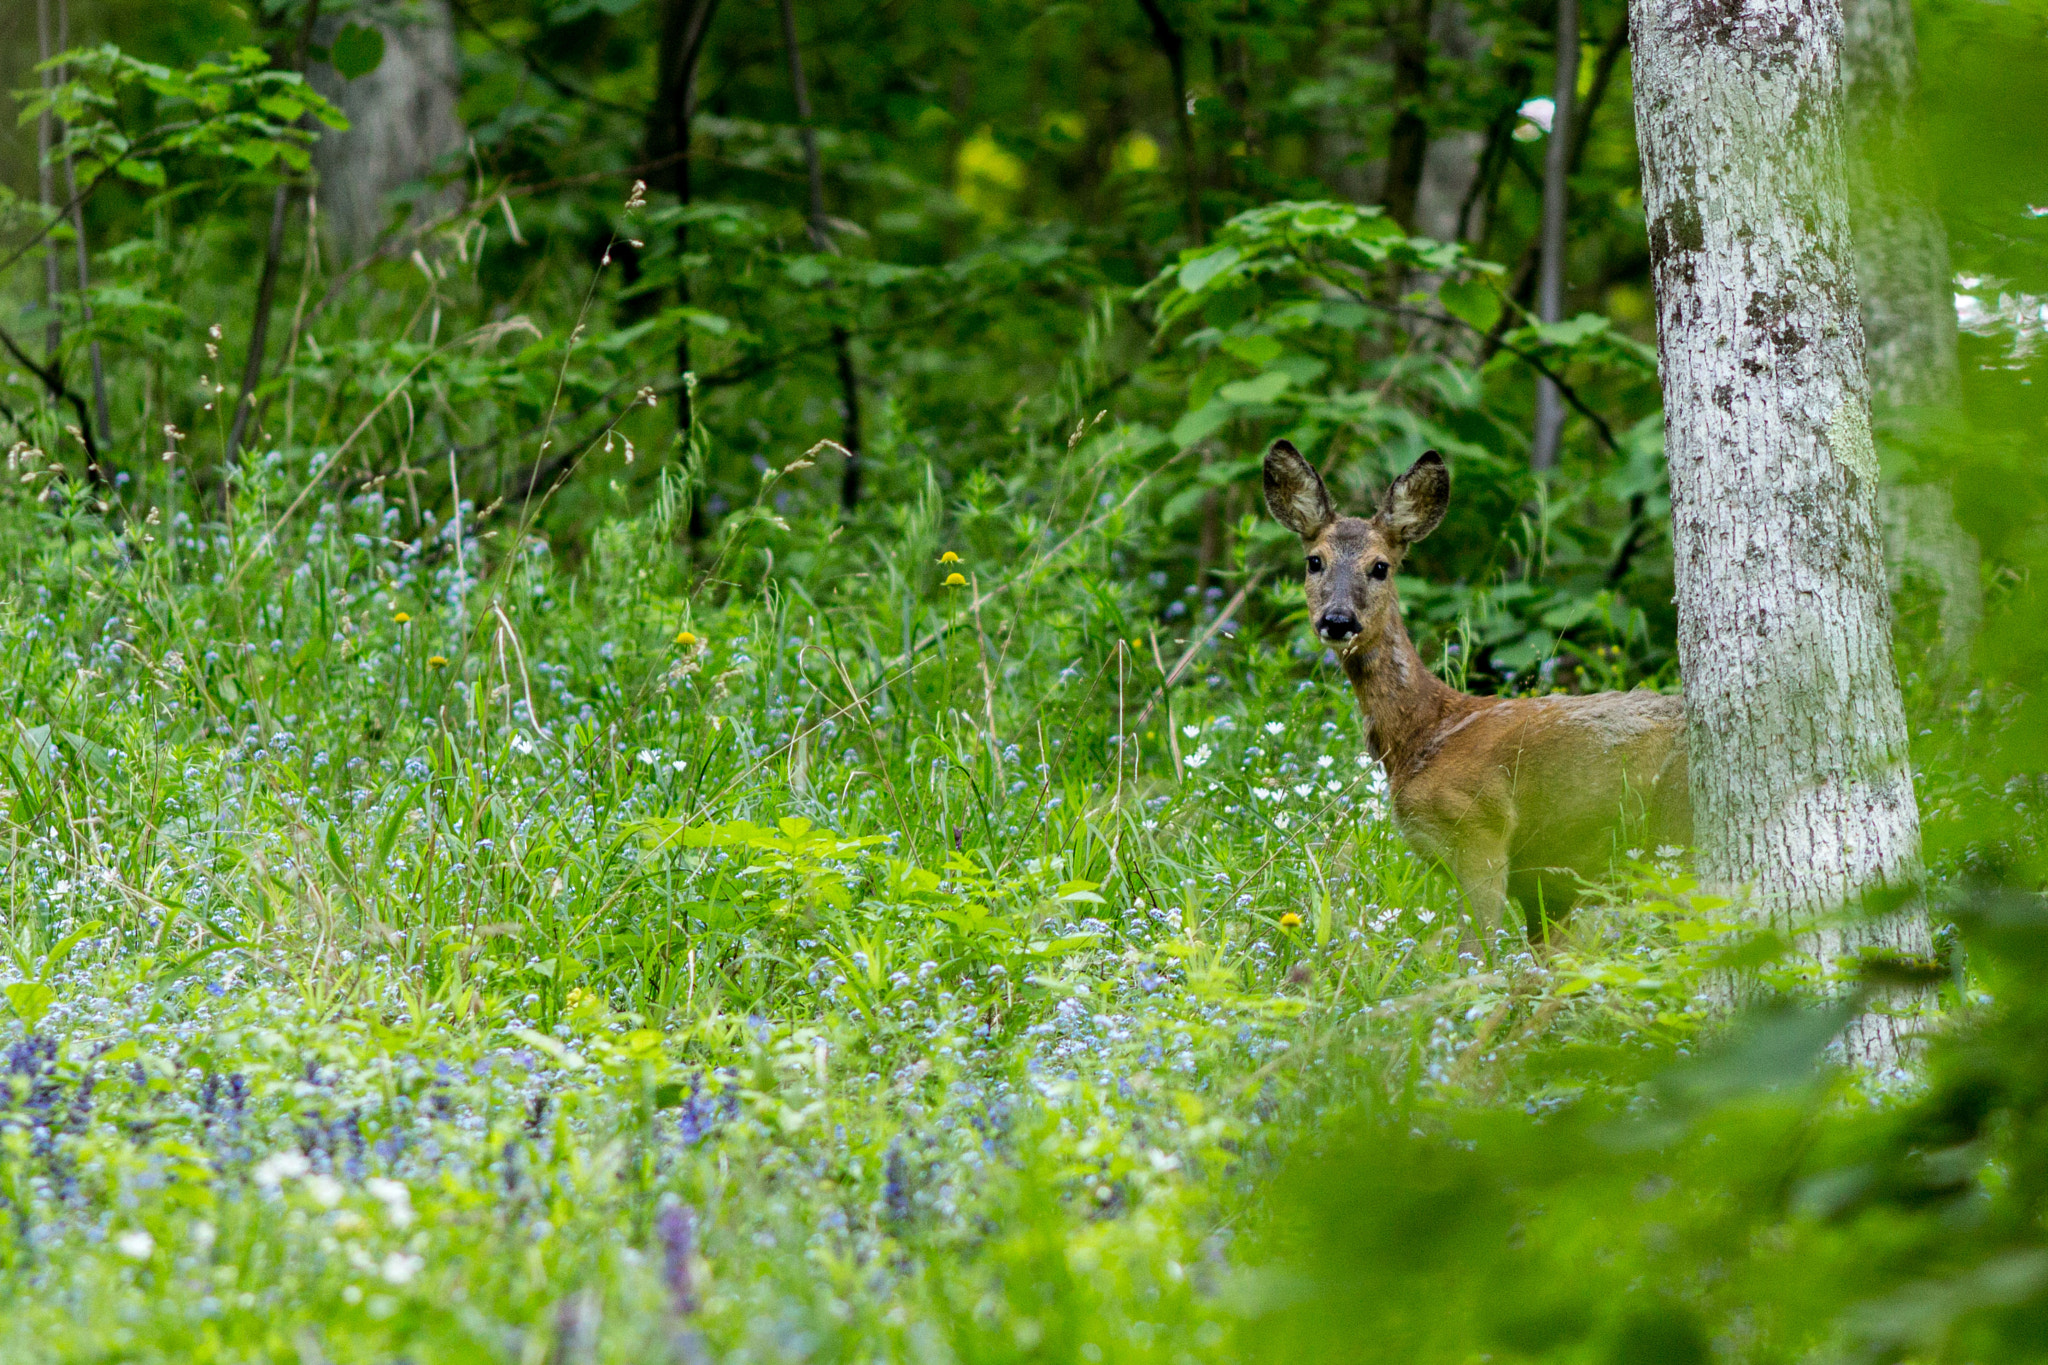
(1528, 797)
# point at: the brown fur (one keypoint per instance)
(1529, 797)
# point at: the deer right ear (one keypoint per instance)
(1416, 502)
(1295, 492)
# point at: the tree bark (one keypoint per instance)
(1800, 783)
(1172, 47)
(821, 236)
(1908, 307)
(266, 282)
(402, 122)
(1557, 163)
(46, 193)
(1408, 138)
(685, 24)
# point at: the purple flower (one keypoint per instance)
(676, 1228)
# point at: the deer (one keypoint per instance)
(1527, 798)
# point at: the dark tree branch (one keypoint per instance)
(53, 381)
(821, 237)
(273, 254)
(1168, 40)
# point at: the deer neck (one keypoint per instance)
(1403, 703)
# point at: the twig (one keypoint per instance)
(1230, 608)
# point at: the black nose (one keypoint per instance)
(1337, 625)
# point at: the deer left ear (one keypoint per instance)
(1416, 503)
(1295, 492)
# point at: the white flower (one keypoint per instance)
(1365, 760)
(135, 1244)
(1425, 915)
(1325, 761)
(202, 1236)
(1191, 730)
(521, 744)
(399, 1267)
(279, 1167)
(1198, 757)
(325, 1190)
(1274, 727)
(1539, 111)
(1303, 789)
(1282, 820)
(395, 1197)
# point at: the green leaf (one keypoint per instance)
(358, 50)
(30, 1001)
(1199, 423)
(1197, 273)
(807, 271)
(1470, 300)
(1263, 389)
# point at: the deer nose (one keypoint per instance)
(1337, 625)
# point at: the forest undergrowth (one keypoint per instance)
(827, 946)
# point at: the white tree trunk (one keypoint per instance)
(1800, 783)
(402, 123)
(1909, 314)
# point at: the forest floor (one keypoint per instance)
(407, 964)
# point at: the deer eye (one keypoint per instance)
(1315, 563)
(1379, 570)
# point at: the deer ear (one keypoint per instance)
(1416, 502)
(1295, 492)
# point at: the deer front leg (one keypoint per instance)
(1481, 870)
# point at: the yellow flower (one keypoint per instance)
(1290, 920)
(687, 639)
(575, 997)
(954, 580)
(400, 617)
(437, 661)
(949, 558)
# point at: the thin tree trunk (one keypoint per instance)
(46, 192)
(821, 237)
(1902, 275)
(1557, 159)
(684, 26)
(266, 284)
(1408, 139)
(1800, 783)
(1171, 46)
(99, 374)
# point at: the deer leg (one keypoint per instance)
(1482, 874)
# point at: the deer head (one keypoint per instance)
(1352, 560)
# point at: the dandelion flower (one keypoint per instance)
(949, 558)
(687, 639)
(400, 617)
(437, 661)
(955, 580)
(1290, 920)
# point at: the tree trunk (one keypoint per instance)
(1408, 138)
(1172, 47)
(1909, 316)
(402, 122)
(46, 194)
(821, 237)
(684, 26)
(1800, 783)
(1557, 162)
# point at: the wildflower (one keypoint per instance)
(676, 1227)
(400, 1267)
(279, 1167)
(401, 617)
(687, 639)
(1290, 920)
(135, 1244)
(949, 558)
(325, 1190)
(437, 661)
(955, 580)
